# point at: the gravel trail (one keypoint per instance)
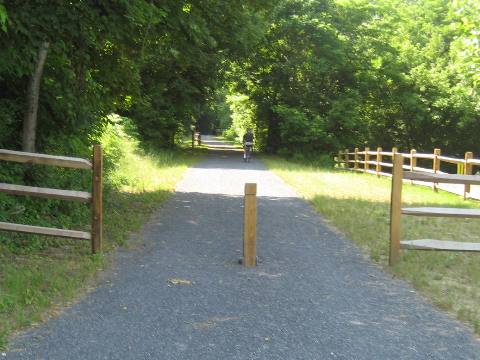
(184, 296)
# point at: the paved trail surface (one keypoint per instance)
(314, 296)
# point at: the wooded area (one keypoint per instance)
(310, 77)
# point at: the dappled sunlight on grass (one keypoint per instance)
(147, 173)
(359, 206)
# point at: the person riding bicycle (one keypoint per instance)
(247, 144)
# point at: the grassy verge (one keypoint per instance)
(358, 205)
(35, 281)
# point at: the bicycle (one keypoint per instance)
(247, 151)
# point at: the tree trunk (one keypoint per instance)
(30, 120)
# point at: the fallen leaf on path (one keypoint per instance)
(212, 322)
(175, 281)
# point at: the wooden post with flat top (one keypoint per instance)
(378, 168)
(396, 209)
(436, 165)
(97, 199)
(367, 159)
(413, 161)
(468, 171)
(250, 226)
(355, 165)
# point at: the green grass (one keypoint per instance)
(358, 205)
(36, 283)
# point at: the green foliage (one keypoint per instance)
(339, 74)
(242, 112)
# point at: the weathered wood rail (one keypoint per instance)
(373, 162)
(95, 198)
(396, 211)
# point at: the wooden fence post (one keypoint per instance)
(395, 209)
(339, 157)
(468, 171)
(379, 160)
(413, 160)
(347, 158)
(97, 199)
(436, 165)
(355, 165)
(250, 225)
(367, 159)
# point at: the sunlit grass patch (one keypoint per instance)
(359, 205)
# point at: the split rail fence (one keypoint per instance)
(376, 161)
(94, 198)
(396, 211)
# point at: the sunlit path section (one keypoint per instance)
(227, 173)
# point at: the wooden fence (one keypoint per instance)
(396, 211)
(374, 162)
(94, 198)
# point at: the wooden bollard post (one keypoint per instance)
(97, 199)
(250, 225)
(395, 209)
(436, 165)
(355, 164)
(379, 160)
(468, 171)
(367, 159)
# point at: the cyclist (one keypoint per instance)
(247, 144)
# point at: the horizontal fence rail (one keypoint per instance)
(380, 162)
(95, 198)
(396, 212)
(43, 159)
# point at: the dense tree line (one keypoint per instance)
(156, 61)
(311, 76)
(338, 74)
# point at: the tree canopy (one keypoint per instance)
(311, 76)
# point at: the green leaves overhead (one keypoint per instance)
(311, 75)
(337, 74)
(156, 61)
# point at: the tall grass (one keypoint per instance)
(358, 205)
